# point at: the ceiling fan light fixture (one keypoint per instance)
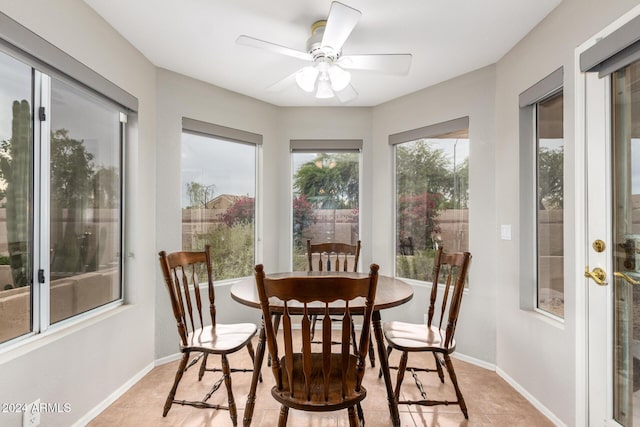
(324, 89)
(327, 75)
(306, 78)
(339, 78)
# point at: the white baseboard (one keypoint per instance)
(535, 402)
(472, 360)
(113, 397)
(167, 359)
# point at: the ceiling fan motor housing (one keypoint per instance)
(314, 44)
(328, 75)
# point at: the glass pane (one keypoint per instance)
(326, 201)
(550, 225)
(85, 202)
(626, 235)
(432, 201)
(16, 198)
(218, 202)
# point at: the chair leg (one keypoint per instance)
(372, 353)
(372, 357)
(284, 414)
(401, 368)
(203, 366)
(360, 414)
(172, 392)
(389, 349)
(226, 372)
(454, 380)
(353, 418)
(439, 367)
(253, 357)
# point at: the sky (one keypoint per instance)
(16, 85)
(229, 166)
(451, 147)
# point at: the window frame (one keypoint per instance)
(48, 62)
(546, 88)
(426, 132)
(238, 136)
(329, 146)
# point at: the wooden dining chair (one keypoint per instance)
(336, 257)
(316, 381)
(182, 272)
(333, 256)
(451, 270)
(329, 257)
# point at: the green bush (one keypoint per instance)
(232, 250)
(418, 266)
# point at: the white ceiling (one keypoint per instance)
(197, 38)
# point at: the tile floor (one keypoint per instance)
(490, 400)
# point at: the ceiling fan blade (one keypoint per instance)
(276, 48)
(290, 80)
(347, 94)
(341, 21)
(385, 63)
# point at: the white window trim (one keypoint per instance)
(543, 89)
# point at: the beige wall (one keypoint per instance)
(469, 95)
(179, 97)
(535, 353)
(84, 363)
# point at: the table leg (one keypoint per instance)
(257, 366)
(384, 366)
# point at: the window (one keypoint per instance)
(85, 222)
(16, 243)
(326, 194)
(60, 197)
(549, 198)
(542, 192)
(219, 195)
(432, 195)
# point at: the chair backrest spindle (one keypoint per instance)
(337, 256)
(454, 267)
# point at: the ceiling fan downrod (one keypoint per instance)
(314, 44)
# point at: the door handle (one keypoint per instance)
(626, 278)
(598, 275)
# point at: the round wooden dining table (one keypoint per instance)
(390, 292)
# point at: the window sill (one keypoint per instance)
(423, 284)
(548, 318)
(21, 347)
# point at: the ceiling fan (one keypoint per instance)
(328, 76)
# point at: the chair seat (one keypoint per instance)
(416, 337)
(317, 401)
(221, 339)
